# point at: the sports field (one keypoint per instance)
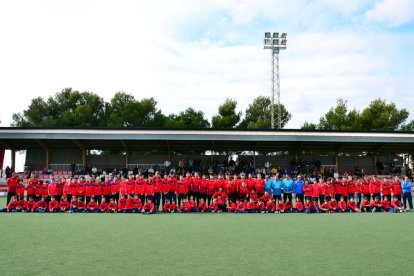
(207, 244)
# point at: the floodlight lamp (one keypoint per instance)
(275, 35)
(268, 41)
(284, 35)
(267, 35)
(275, 41)
(283, 42)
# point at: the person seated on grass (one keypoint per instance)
(232, 206)
(64, 205)
(250, 207)
(308, 206)
(174, 207)
(92, 206)
(270, 205)
(31, 204)
(315, 205)
(253, 195)
(281, 207)
(365, 205)
(148, 208)
(376, 205)
(298, 206)
(342, 205)
(325, 206)
(73, 205)
(386, 205)
(81, 206)
(260, 207)
(121, 203)
(112, 206)
(185, 206)
(202, 206)
(54, 205)
(288, 206)
(166, 208)
(136, 204)
(240, 207)
(11, 207)
(128, 204)
(352, 207)
(266, 197)
(103, 207)
(397, 205)
(192, 204)
(41, 205)
(333, 206)
(222, 206)
(213, 207)
(21, 205)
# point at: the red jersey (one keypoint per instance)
(344, 188)
(202, 207)
(321, 187)
(308, 205)
(106, 188)
(386, 204)
(139, 187)
(112, 207)
(74, 188)
(89, 189)
(81, 189)
(121, 203)
(81, 205)
(39, 189)
(136, 203)
(352, 205)
(203, 186)
(396, 188)
(337, 187)
(213, 207)
(260, 185)
(231, 187)
(196, 184)
(325, 206)
(375, 203)
(149, 207)
(375, 186)
(165, 187)
(240, 207)
(386, 188)
(31, 205)
(366, 190)
(114, 187)
(11, 184)
(157, 185)
(397, 204)
(333, 205)
(251, 183)
(20, 189)
(232, 207)
(260, 206)
(128, 204)
(166, 207)
(211, 187)
(41, 204)
(281, 206)
(21, 205)
(243, 191)
(64, 205)
(45, 191)
(30, 188)
(271, 206)
(97, 188)
(342, 205)
(299, 206)
(329, 191)
(315, 190)
(53, 204)
(67, 190)
(307, 190)
(266, 197)
(149, 187)
(103, 206)
(74, 204)
(123, 188)
(351, 187)
(182, 187)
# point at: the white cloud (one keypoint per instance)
(392, 12)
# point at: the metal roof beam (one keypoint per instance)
(78, 144)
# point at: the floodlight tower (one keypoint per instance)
(275, 43)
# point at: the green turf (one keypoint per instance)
(207, 244)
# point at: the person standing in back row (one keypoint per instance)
(11, 186)
(406, 186)
(287, 186)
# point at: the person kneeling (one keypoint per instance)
(148, 208)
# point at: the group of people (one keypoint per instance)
(213, 193)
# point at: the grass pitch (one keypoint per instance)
(206, 244)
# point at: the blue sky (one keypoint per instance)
(197, 53)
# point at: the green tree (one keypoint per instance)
(309, 126)
(258, 114)
(190, 118)
(227, 116)
(339, 118)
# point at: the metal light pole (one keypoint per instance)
(275, 43)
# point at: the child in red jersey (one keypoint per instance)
(136, 204)
(92, 206)
(81, 205)
(103, 207)
(266, 197)
(325, 206)
(73, 204)
(232, 206)
(121, 203)
(21, 205)
(288, 207)
(251, 207)
(112, 206)
(386, 204)
(298, 206)
(184, 206)
(270, 205)
(260, 207)
(202, 206)
(166, 208)
(222, 206)
(308, 206)
(38, 190)
(54, 205)
(173, 207)
(333, 206)
(148, 208)
(365, 205)
(397, 205)
(41, 205)
(342, 205)
(352, 206)
(376, 205)
(64, 205)
(31, 204)
(128, 204)
(20, 189)
(193, 204)
(240, 207)
(253, 195)
(213, 207)
(281, 207)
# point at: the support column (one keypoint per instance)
(254, 159)
(47, 158)
(126, 159)
(337, 162)
(13, 160)
(375, 158)
(84, 158)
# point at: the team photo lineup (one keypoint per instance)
(238, 193)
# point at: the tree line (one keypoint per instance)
(72, 108)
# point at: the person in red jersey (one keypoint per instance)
(165, 189)
(325, 206)
(149, 189)
(93, 206)
(31, 204)
(351, 187)
(281, 207)
(54, 205)
(375, 187)
(139, 187)
(342, 205)
(59, 189)
(11, 186)
(366, 205)
(260, 185)
(121, 203)
(97, 189)
(253, 195)
(182, 189)
(358, 191)
(211, 188)
(174, 207)
(136, 204)
(193, 204)
(352, 207)
(21, 205)
(183, 207)
(260, 206)
(20, 188)
(243, 191)
(81, 188)
(329, 189)
(376, 205)
(231, 188)
(366, 188)
(251, 182)
(288, 207)
(30, 188)
(188, 179)
(337, 188)
(114, 186)
(220, 193)
(41, 205)
(73, 205)
(157, 190)
(333, 206)
(51, 189)
(270, 206)
(241, 205)
(148, 208)
(396, 188)
(321, 188)
(130, 185)
(307, 190)
(386, 188)
(344, 190)
(202, 206)
(232, 206)
(219, 182)
(112, 206)
(213, 207)
(128, 204)
(12, 205)
(38, 190)
(64, 205)
(80, 206)
(196, 187)
(103, 207)
(386, 205)
(298, 206)
(89, 189)
(203, 187)
(166, 207)
(67, 189)
(266, 197)
(45, 192)
(315, 191)
(106, 190)
(251, 206)
(308, 206)
(397, 205)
